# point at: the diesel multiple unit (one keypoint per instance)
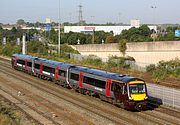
(126, 91)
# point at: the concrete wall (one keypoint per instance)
(144, 52)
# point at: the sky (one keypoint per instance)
(94, 11)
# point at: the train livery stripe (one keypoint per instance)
(108, 87)
(136, 82)
(41, 69)
(81, 80)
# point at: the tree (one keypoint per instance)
(99, 36)
(109, 39)
(141, 34)
(1, 28)
(72, 39)
(122, 46)
(14, 30)
(145, 31)
(1, 34)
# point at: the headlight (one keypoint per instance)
(146, 97)
(130, 98)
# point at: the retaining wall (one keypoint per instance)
(145, 52)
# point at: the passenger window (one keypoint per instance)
(74, 76)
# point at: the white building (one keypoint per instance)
(89, 29)
(135, 23)
(48, 21)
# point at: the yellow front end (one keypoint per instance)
(137, 90)
(138, 97)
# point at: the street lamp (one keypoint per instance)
(154, 7)
(59, 32)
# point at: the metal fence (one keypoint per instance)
(169, 96)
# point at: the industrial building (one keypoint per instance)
(115, 29)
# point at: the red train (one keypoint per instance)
(126, 91)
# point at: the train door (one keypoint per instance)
(108, 87)
(56, 73)
(81, 80)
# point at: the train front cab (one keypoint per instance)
(137, 95)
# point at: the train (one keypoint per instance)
(119, 89)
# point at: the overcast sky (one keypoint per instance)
(94, 11)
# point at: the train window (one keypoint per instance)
(29, 64)
(137, 88)
(53, 70)
(21, 62)
(48, 69)
(100, 84)
(37, 66)
(88, 80)
(74, 76)
(94, 82)
(62, 73)
(116, 87)
(112, 86)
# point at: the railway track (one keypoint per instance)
(101, 109)
(25, 108)
(48, 89)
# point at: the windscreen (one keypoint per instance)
(137, 88)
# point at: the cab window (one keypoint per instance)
(137, 88)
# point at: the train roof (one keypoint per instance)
(119, 77)
(66, 65)
(23, 56)
(50, 62)
(61, 65)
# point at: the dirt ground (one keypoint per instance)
(11, 115)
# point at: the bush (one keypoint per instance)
(9, 49)
(165, 69)
(160, 74)
(123, 46)
(93, 60)
(37, 47)
(151, 68)
(115, 61)
(68, 49)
